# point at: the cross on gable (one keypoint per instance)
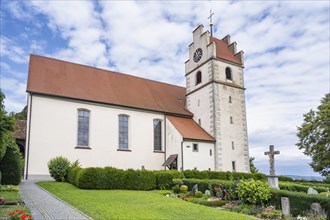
(271, 154)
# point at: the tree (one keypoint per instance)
(253, 169)
(20, 115)
(6, 127)
(314, 136)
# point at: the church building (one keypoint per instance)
(104, 118)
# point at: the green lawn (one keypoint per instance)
(125, 204)
(11, 197)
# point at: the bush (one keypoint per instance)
(285, 179)
(299, 202)
(196, 174)
(216, 203)
(254, 192)
(11, 167)
(183, 189)
(300, 187)
(198, 194)
(218, 175)
(112, 178)
(59, 168)
(164, 178)
(176, 189)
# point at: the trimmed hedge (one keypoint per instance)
(112, 178)
(11, 167)
(299, 202)
(300, 187)
(164, 178)
(285, 179)
(204, 184)
(195, 174)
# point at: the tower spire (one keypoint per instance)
(211, 23)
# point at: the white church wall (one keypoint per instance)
(173, 142)
(202, 159)
(54, 128)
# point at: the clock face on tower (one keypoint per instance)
(198, 55)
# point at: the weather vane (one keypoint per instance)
(211, 23)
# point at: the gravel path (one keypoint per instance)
(44, 205)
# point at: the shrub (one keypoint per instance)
(285, 179)
(325, 194)
(206, 184)
(176, 189)
(198, 194)
(59, 168)
(164, 178)
(215, 203)
(11, 167)
(112, 178)
(140, 179)
(195, 174)
(183, 189)
(299, 201)
(254, 192)
(300, 187)
(73, 175)
(218, 175)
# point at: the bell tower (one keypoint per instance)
(215, 94)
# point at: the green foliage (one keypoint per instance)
(285, 179)
(176, 189)
(21, 115)
(325, 194)
(253, 169)
(296, 187)
(195, 174)
(183, 189)
(314, 136)
(59, 168)
(112, 178)
(164, 178)
(254, 192)
(327, 179)
(6, 127)
(299, 202)
(215, 203)
(198, 194)
(11, 166)
(207, 184)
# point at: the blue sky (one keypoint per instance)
(286, 45)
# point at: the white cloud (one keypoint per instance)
(12, 50)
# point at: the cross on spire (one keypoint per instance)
(211, 24)
(271, 153)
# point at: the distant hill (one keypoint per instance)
(296, 177)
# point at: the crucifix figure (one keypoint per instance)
(211, 24)
(271, 153)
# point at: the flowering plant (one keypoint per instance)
(220, 191)
(18, 215)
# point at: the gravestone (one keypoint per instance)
(285, 205)
(312, 191)
(317, 209)
(194, 189)
(207, 192)
(272, 178)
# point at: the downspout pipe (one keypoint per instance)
(27, 146)
(182, 155)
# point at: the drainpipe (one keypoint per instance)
(165, 139)
(27, 149)
(182, 155)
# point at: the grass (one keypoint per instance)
(126, 204)
(11, 197)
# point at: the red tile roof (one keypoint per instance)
(189, 129)
(223, 52)
(20, 129)
(60, 78)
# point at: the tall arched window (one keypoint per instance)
(83, 127)
(157, 134)
(198, 77)
(228, 74)
(123, 132)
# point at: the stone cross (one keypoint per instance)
(271, 153)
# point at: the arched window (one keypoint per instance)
(123, 132)
(83, 127)
(198, 77)
(228, 74)
(157, 135)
